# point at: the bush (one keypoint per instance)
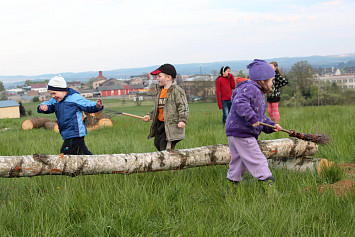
(35, 99)
(22, 110)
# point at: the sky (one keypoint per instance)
(46, 36)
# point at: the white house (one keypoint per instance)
(9, 109)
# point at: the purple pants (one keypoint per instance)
(246, 154)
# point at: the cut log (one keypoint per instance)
(51, 126)
(32, 165)
(105, 122)
(89, 120)
(29, 124)
(92, 128)
(97, 115)
(288, 147)
(96, 120)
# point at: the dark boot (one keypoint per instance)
(269, 187)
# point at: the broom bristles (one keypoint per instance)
(321, 139)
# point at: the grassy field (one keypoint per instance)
(191, 202)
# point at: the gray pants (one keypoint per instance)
(246, 154)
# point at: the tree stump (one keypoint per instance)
(29, 124)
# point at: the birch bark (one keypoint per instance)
(286, 153)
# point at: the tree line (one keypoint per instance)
(303, 89)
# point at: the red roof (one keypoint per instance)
(38, 86)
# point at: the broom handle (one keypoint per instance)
(271, 126)
(132, 115)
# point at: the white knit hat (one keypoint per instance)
(57, 83)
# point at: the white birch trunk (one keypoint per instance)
(33, 165)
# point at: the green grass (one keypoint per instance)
(191, 202)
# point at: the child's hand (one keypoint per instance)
(146, 118)
(43, 107)
(255, 124)
(278, 127)
(99, 104)
(181, 125)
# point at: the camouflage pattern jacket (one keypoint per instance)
(176, 110)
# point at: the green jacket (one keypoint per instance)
(176, 110)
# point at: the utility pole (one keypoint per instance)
(318, 90)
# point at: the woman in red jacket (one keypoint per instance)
(225, 85)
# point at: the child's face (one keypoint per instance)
(269, 82)
(226, 72)
(58, 95)
(163, 79)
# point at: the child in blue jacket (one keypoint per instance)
(242, 126)
(68, 105)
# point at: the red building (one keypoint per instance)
(114, 87)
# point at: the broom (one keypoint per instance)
(321, 139)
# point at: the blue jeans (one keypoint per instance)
(226, 107)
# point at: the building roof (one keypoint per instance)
(7, 103)
(113, 82)
(136, 86)
(39, 86)
(100, 77)
(108, 88)
(27, 97)
(74, 83)
(86, 91)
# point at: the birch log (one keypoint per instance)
(33, 165)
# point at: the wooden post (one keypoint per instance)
(33, 165)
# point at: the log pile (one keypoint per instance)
(286, 153)
(97, 120)
(92, 121)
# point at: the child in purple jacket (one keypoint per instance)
(242, 126)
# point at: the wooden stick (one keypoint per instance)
(271, 126)
(132, 115)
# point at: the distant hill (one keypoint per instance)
(186, 69)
